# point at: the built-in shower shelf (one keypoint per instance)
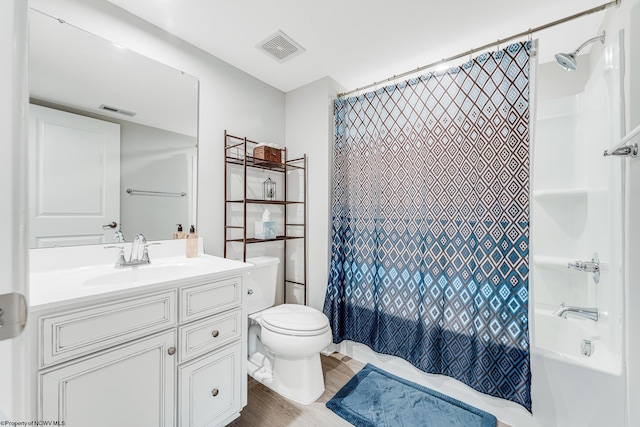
(564, 195)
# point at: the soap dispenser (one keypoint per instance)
(192, 243)
(179, 234)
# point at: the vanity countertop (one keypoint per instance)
(64, 276)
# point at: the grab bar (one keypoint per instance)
(624, 149)
(154, 193)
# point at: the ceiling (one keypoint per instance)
(357, 42)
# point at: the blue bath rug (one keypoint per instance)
(375, 398)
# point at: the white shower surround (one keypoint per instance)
(577, 210)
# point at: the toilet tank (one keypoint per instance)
(262, 282)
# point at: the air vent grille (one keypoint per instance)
(280, 47)
(116, 110)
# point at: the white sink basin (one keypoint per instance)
(148, 273)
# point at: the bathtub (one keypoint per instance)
(568, 388)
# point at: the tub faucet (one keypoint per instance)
(586, 312)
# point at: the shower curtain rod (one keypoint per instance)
(486, 46)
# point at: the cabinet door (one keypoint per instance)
(209, 388)
(130, 385)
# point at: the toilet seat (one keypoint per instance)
(294, 319)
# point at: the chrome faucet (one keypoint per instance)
(139, 244)
(135, 249)
(586, 312)
(592, 266)
(119, 236)
(586, 266)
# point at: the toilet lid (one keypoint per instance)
(295, 319)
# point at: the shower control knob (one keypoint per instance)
(215, 392)
(215, 334)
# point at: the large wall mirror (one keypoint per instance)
(112, 140)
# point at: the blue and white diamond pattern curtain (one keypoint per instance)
(430, 234)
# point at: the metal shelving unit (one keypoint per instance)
(238, 153)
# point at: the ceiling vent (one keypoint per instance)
(116, 110)
(280, 47)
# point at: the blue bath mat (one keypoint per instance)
(375, 398)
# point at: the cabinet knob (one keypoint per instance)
(215, 334)
(250, 291)
(171, 351)
(215, 392)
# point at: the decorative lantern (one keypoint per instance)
(269, 189)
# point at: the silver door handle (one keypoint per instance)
(112, 224)
(13, 315)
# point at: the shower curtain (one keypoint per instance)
(430, 233)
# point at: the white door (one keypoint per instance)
(132, 385)
(13, 245)
(74, 178)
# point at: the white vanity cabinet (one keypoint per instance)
(168, 357)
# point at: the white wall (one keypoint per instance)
(309, 129)
(229, 98)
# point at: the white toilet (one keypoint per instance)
(284, 341)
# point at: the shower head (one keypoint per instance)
(568, 60)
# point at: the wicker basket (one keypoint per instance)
(265, 154)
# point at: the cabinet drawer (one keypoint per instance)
(208, 334)
(209, 388)
(75, 333)
(210, 298)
